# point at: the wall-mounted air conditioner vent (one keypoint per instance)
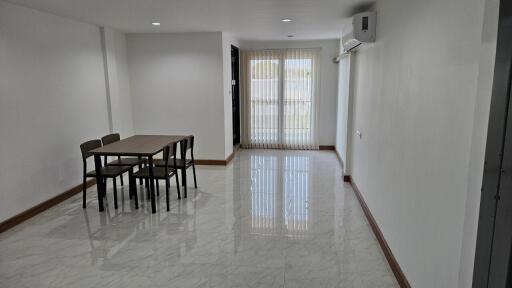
(361, 31)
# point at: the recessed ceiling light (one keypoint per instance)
(156, 23)
(286, 20)
(290, 36)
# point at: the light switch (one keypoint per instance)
(359, 134)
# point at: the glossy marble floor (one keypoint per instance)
(269, 219)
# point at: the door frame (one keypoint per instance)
(235, 95)
(493, 247)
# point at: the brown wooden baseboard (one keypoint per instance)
(235, 150)
(219, 162)
(230, 157)
(27, 214)
(395, 267)
(210, 162)
(327, 147)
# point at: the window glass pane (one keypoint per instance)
(265, 100)
(297, 99)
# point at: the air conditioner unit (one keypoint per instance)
(361, 31)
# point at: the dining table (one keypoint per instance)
(144, 146)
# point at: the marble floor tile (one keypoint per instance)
(268, 219)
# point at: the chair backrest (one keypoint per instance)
(170, 154)
(188, 143)
(86, 147)
(110, 138)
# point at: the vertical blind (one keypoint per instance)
(280, 99)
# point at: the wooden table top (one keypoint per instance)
(138, 145)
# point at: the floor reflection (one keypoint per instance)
(264, 202)
(269, 219)
(280, 189)
(297, 187)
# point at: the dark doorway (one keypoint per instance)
(494, 241)
(235, 92)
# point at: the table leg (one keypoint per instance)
(140, 168)
(99, 182)
(152, 185)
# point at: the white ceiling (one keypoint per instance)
(246, 19)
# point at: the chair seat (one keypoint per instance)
(126, 162)
(110, 171)
(179, 163)
(158, 173)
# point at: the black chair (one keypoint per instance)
(183, 163)
(163, 172)
(111, 138)
(106, 172)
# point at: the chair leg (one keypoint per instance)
(157, 187)
(115, 192)
(147, 189)
(167, 193)
(84, 192)
(135, 196)
(104, 183)
(120, 176)
(130, 188)
(177, 184)
(184, 181)
(133, 189)
(140, 179)
(194, 171)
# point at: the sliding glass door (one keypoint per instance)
(280, 101)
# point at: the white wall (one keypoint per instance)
(227, 41)
(177, 87)
(119, 83)
(328, 78)
(415, 99)
(52, 98)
